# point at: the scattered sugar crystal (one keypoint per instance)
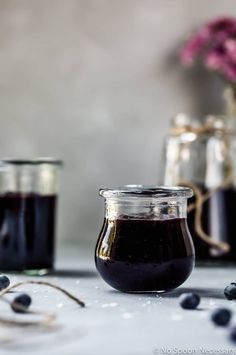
(112, 304)
(176, 317)
(212, 303)
(127, 315)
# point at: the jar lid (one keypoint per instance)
(162, 192)
(34, 161)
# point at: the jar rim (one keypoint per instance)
(34, 161)
(163, 192)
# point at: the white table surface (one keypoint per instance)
(118, 323)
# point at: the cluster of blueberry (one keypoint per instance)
(219, 316)
(20, 303)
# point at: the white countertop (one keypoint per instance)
(118, 323)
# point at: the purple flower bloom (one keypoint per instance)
(215, 46)
(222, 24)
(194, 46)
(230, 48)
(214, 60)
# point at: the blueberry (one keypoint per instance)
(230, 291)
(232, 334)
(4, 282)
(221, 316)
(189, 300)
(20, 301)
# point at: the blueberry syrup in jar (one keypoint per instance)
(27, 231)
(145, 244)
(218, 221)
(28, 204)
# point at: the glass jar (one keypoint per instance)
(202, 155)
(145, 244)
(28, 199)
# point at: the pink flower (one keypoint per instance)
(230, 47)
(214, 60)
(215, 46)
(222, 24)
(194, 46)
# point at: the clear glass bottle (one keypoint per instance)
(144, 244)
(202, 155)
(28, 199)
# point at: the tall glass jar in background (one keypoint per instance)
(202, 155)
(28, 199)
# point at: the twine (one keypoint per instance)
(48, 318)
(198, 205)
(204, 128)
(201, 198)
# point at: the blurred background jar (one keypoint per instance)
(28, 203)
(202, 155)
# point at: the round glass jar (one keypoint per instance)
(145, 244)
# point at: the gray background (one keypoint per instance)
(96, 82)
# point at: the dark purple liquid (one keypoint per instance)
(26, 231)
(144, 255)
(219, 221)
